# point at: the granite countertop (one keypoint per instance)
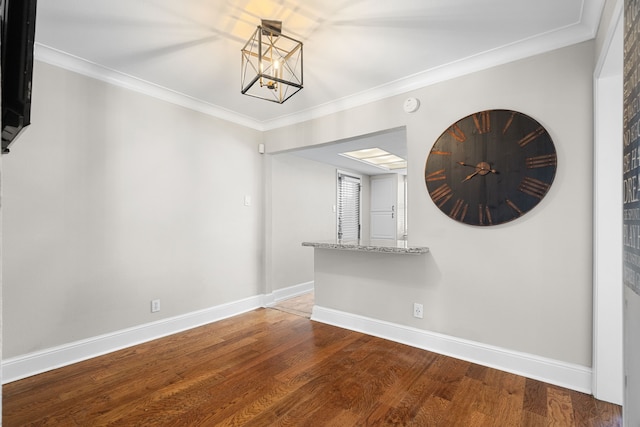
(379, 246)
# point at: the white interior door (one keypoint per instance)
(384, 199)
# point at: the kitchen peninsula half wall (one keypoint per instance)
(374, 279)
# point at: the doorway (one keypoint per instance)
(349, 203)
(384, 206)
(302, 203)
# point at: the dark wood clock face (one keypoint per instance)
(490, 167)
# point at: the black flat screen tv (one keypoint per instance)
(18, 32)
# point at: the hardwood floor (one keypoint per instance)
(273, 368)
(301, 305)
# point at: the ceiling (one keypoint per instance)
(393, 141)
(355, 51)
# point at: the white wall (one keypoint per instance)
(302, 194)
(301, 210)
(524, 285)
(112, 199)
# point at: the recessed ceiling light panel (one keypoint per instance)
(377, 157)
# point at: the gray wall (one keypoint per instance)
(301, 198)
(112, 199)
(524, 285)
(301, 210)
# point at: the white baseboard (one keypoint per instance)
(56, 357)
(24, 366)
(551, 371)
(575, 377)
(286, 293)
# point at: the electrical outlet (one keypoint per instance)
(418, 310)
(155, 305)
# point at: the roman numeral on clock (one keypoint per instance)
(441, 195)
(482, 121)
(438, 175)
(484, 215)
(457, 133)
(459, 210)
(509, 121)
(534, 187)
(514, 207)
(531, 136)
(541, 161)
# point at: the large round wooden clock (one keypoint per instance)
(490, 167)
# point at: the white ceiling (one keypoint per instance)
(355, 51)
(393, 141)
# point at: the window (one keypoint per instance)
(348, 207)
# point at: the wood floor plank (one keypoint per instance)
(300, 305)
(406, 408)
(503, 397)
(608, 415)
(432, 412)
(584, 408)
(477, 372)
(411, 394)
(411, 385)
(467, 399)
(274, 368)
(559, 407)
(530, 419)
(448, 372)
(535, 397)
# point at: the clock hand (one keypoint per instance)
(489, 170)
(464, 164)
(471, 176)
(478, 166)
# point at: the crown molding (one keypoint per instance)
(81, 66)
(537, 45)
(583, 30)
(591, 14)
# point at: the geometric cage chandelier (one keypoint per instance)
(271, 64)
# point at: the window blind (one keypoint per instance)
(348, 207)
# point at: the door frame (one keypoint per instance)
(607, 365)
